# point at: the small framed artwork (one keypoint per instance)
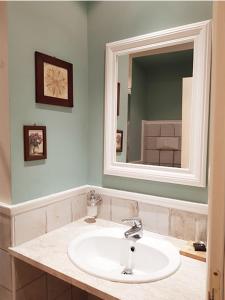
(118, 98)
(119, 141)
(35, 147)
(53, 80)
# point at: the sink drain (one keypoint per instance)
(127, 271)
(90, 220)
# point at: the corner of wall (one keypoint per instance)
(5, 164)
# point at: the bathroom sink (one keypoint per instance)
(105, 253)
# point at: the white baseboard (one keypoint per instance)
(193, 207)
(12, 210)
(16, 209)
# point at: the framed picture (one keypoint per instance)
(119, 141)
(35, 147)
(118, 98)
(54, 80)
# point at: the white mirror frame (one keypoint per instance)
(195, 175)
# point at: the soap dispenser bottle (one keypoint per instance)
(93, 200)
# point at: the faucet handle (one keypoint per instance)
(134, 221)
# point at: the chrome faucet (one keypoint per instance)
(135, 233)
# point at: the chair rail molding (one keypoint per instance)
(16, 209)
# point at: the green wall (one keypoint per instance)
(112, 21)
(165, 88)
(77, 32)
(123, 63)
(138, 110)
(58, 29)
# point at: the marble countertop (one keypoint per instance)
(49, 253)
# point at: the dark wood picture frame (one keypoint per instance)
(120, 148)
(40, 59)
(118, 98)
(26, 137)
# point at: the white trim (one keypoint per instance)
(193, 207)
(136, 162)
(12, 210)
(216, 219)
(5, 209)
(16, 209)
(195, 175)
(5, 159)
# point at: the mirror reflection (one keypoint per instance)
(154, 91)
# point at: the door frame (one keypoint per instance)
(216, 217)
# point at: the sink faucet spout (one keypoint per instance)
(136, 231)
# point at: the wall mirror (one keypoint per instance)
(157, 104)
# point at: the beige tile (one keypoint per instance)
(36, 290)
(25, 273)
(66, 295)
(182, 224)
(166, 157)
(59, 214)
(201, 228)
(178, 129)
(154, 218)
(180, 142)
(78, 294)
(30, 225)
(5, 230)
(152, 130)
(56, 287)
(167, 130)
(79, 207)
(5, 294)
(167, 143)
(5, 270)
(123, 208)
(151, 156)
(177, 157)
(104, 209)
(150, 143)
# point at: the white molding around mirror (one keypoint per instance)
(199, 34)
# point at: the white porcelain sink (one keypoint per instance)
(105, 252)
